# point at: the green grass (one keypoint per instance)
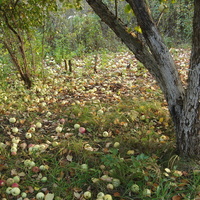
(133, 116)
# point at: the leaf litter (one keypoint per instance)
(119, 103)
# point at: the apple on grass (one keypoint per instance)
(16, 179)
(82, 130)
(107, 197)
(77, 126)
(40, 195)
(58, 129)
(15, 185)
(12, 120)
(2, 183)
(87, 195)
(15, 130)
(38, 125)
(9, 181)
(15, 191)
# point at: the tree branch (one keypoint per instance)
(129, 38)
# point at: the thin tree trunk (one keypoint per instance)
(23, 75)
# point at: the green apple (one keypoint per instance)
(15, 191)
(87, 195)
(12, 120)
(135, 188)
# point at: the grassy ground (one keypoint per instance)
(125, 148)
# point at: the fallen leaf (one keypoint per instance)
(176, 197)
(49, 196)
(69, 158)
(116, 194)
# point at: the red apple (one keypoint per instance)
(35, 169)
(82, 130)
(2, 183)
(15, 185)
(62, 121)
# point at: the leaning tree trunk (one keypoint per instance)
(153, 53)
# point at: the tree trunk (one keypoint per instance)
(188, 137)
(24, 76)
(153, 53)
(23, 70)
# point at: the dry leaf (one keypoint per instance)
(176, 197)
(49, 196)
(69, 158)
(116, 194)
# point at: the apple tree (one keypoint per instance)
(20, 20)
(150, 49)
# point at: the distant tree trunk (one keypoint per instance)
(155, 56)
(95, 63)
(70, 66)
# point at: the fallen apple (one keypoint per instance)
(9, 181)
(15, 191)
(40, 195)
(38, 124)
(28, 135)
(147, 192)
(87, 195)
(44, 179)
(12, 120)
(35, 169)
(107, 197)
(100, 112)
(16, 179)
(15, 185)
(55, 144)
(62, 121)
(2, 183)
(82, 130)
(135, 188)
(23, 195)
(15, 140)
(116, 182)
(15, 130)
(32, 129)
(110, 186)
(105, 134)
(58, 129)
(77, 126)
(116, 144)
(8, 190)
(100, 195)
(13, 149)
(84, 167)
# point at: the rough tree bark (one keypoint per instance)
(155, 56)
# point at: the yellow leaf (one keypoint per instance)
(161, 119)
(138, 29)
(36, 188)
